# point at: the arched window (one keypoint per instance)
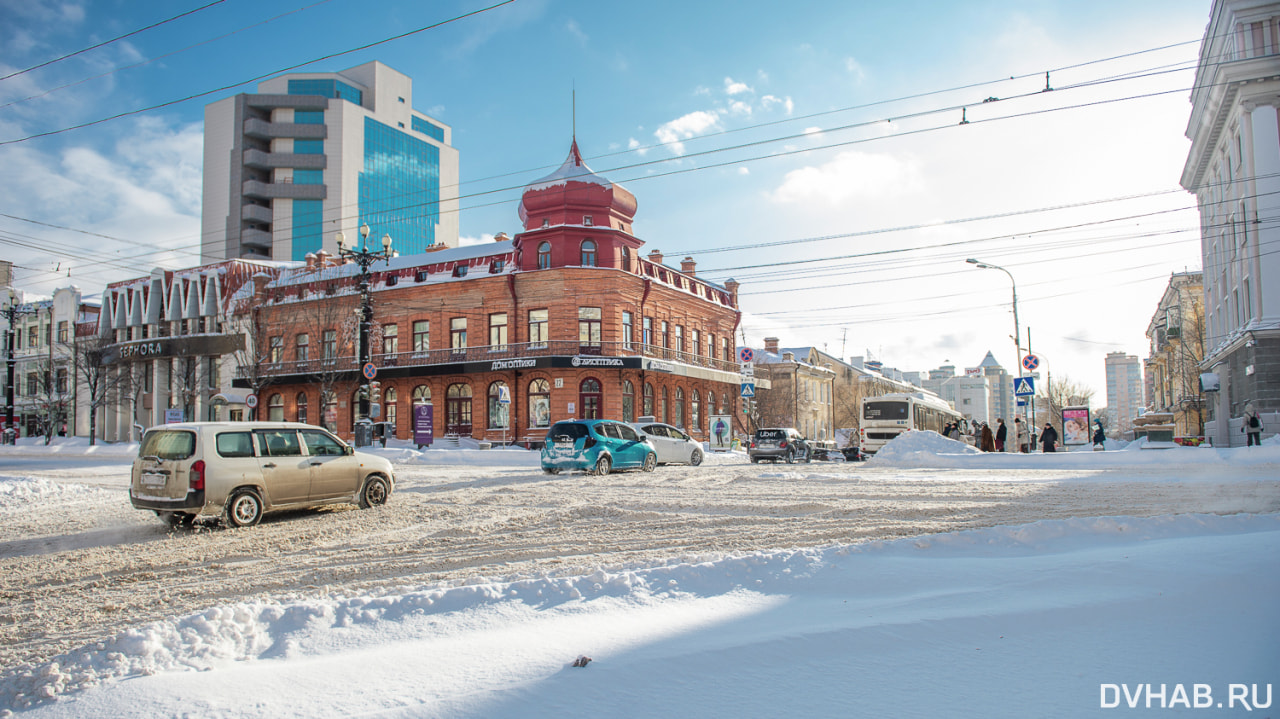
(589, 398)
(499, 412)
(588, 253)
(544, 256)
(694, 415)
(302, 407)
(422, 394)
(628, 402)
(389, 406)
(275, 408)
(329, 403)
(539, 403)
(679, 407)
(648, 399)
(662, 407)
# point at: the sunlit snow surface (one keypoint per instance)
(1029, 620)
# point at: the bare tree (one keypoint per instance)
(95, 378)
(254, 359)
(1063, 392)
(53, 395)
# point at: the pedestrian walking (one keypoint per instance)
(1049, 438)
(1002, 433)
(1099, 437)
(988, 439)
(1252, 426)
(1022, 435)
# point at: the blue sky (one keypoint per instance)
(765, 140)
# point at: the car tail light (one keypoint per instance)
(196, 475)
(591, 442)
(782, 444)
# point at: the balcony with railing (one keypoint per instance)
(488, 353)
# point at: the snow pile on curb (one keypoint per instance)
(916, 446)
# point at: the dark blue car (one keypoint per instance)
(596, 445)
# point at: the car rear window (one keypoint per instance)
(168, 444)
(628, 433)
(574, 430)
(608, 430)
(656, 430)
(771, 433)
(234, 444)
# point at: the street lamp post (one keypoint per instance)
(11, 312)
(1017, 331)
(364, 257)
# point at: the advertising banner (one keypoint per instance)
(721, 434)
(423, 414)
(1075, 425)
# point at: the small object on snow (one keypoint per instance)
(581, 661)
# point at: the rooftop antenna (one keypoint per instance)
(574, 108)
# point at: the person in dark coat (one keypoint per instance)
(988, 440)
(1099, 437)
(1002, 433)
(1049, 438)
(1252, 427)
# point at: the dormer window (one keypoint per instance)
(392, 280)
(586, 220)
(588, 253)
(460, 271)
(544, 256)
(495, 267)
(420, 276)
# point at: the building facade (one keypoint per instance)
(169, 346)
(799, 392)
(565, 320)
(1233, 168)
(312, 154)
(1176, 333)
(1125, 391)
(45, 360)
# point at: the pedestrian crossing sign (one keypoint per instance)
(1024, 386)
(748, 389)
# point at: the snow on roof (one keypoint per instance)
(302, 275)
(572, 169)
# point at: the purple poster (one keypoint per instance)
(422, 431)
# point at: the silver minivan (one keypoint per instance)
(237, 471)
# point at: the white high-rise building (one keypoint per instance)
(312, 154)
(1124, 389)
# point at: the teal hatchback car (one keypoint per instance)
(598, 446)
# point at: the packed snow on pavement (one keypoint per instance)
(932, 580)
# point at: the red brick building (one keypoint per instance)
(567, 316)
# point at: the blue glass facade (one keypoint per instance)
(428, 128)
(308, 227)
(308, 147)
(327, 88)
(308, 117)
(400, 187)
(308, 177)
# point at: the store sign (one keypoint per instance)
(180, 346)
(579, 361)
(422, 424)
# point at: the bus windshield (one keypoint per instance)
(884, 410)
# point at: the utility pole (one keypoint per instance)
(11, 312)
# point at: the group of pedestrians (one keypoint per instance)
(998, 440)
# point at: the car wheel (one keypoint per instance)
(650, 461)
(551, 470)
(244, 509)
(808, 458)
(791, 457)
(603, 465)
(755, 460)
(695, 459)
(177, 519)
(374, 493)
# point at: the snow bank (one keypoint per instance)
(326, 627)
(928, 449)
(68, 447)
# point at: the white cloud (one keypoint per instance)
(735, 88)
(576, 31)
(738, 107)
(744, 171)
(854, 68)
(850, 175)
(768, 102)
(685, 127)
(813, 131)
(634, 144)
(482, 239)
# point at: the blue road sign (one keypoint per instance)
(1030, 362)
(369, 370)
(1024, 386)
(748, 390)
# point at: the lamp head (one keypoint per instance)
(977, 263)
(364, 231)
(341, 239)
(386, 243)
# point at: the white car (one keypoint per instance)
(673, 446)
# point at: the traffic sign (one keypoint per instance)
(1030, 362)
(748, 389)
(748, 369)
(369, 370)
(251, 401)
(1024, 386)
(504, 395)
(746, 355)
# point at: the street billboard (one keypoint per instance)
(1075, 425)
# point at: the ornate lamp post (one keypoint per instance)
(11, 312)
(364, 257)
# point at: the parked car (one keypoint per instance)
(672, 445)
(785, 443)
(596, 445)
(237, 471)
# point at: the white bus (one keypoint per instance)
(888, 416)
